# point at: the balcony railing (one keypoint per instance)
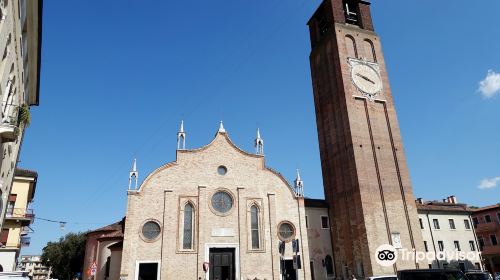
(20, 213)
(9, 122)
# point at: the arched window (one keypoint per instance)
(370, 51)
(254, 225)
(352, 50)
(187, 242)
(329, 265)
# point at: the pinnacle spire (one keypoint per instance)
(221, 127)
(134, 166)
(259, 144)
(181, 138)
(299, 185)
(298, 175)
(133, 176)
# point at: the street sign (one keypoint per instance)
(281, 248)
(93, 269)
(295, 245)
(296, 262)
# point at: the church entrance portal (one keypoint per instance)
(222, 264)
(148, 271)
(289, 273)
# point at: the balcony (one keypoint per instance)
(492, 227)
(25, 216)
(491, 250)
(9, 125)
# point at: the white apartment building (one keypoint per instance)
(33, 265)
(20, 47)
(448, 234)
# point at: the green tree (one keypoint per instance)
(65, 256)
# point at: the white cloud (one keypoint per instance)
(490, 86)
(489, 183)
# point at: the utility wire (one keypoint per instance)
(64, 222)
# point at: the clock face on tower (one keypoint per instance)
(366, 78)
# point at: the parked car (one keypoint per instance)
(15, 275)
(431, 274)
(385, 277)
(478, 275)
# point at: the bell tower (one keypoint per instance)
(365, 175)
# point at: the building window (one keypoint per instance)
(436, 223)
(108, 264)
(222, 202)
(457, 245)
(329, 265)
(222, 170)
(452, 224)
(421, 223)
(324, 222)
(475, 220)
(5, 236)
(467, 224)
(254, 218)
(472, 246)
(461, 265)
(481, 242)
(286, 231)
(441, 245)
(187, 235)
(498, 216)
(307, 222)
(151, 230)
(311, 265)
(494, 240)
(425, 246)
(487, 218)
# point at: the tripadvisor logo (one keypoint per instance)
(387, 255)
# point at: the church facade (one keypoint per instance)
(216, 212)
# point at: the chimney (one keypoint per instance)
(420, 200)
(452, 199)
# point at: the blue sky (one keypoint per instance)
(118, 78)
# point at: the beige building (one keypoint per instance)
(216, 212)
(103, 250)
(33, 265)
(20, 45)
(320, 240)
(448, 234)
(18, 218)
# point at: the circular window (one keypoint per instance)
(286, 231)
(222, 202)
(151, 230)
(222, 170)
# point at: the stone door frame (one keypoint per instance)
(234, 246)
